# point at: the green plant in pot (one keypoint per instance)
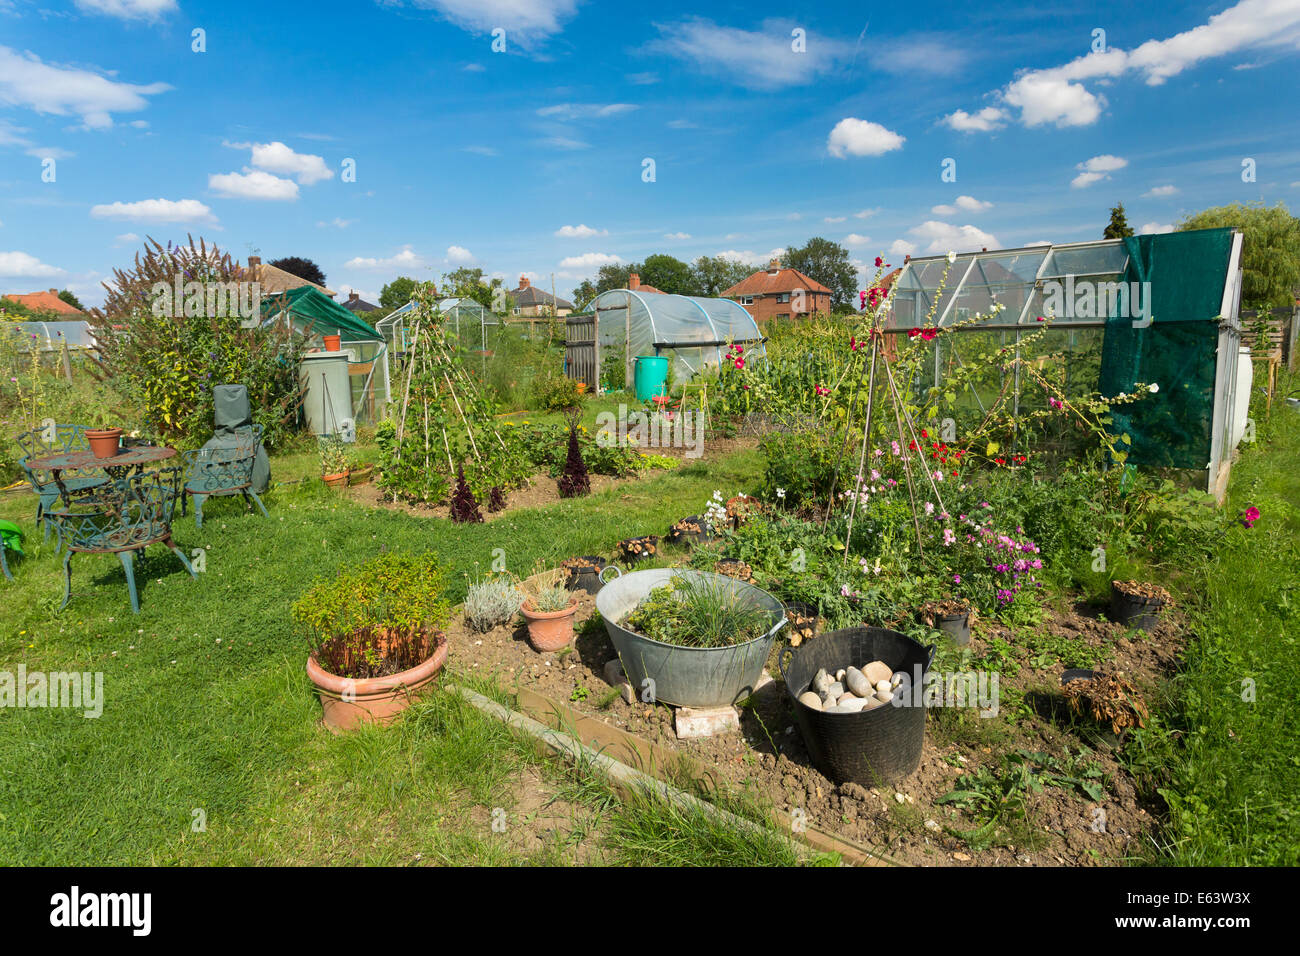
(375, 636)
(549, 608)
(333, 461)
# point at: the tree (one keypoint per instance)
(613, 276)
(1270, 250)
(667, 274)
(69, 297)
(1118, 226)
(584, 293)
(397, 293)
(828, 263)
(467, 283)
(302, 268)
(714, 275)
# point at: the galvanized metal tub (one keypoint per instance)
(686, 676)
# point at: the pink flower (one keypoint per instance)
(1055, 403)
(956, 579)
(1250, 516)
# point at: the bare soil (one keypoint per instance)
(768, 758)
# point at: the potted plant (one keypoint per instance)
(953, 616)
(699, 639)
(375, 637)
(359, 472)
(104, 442)
(549, 608)
(333, 461)
(1137, 604)
(583, 572)
(632, 550)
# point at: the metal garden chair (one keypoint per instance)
(56, 439)
(223, 470)
(121, 518)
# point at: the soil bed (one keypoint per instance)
(768, 757)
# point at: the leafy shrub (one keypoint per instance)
(697, 612)
(490, 603)
(799, 463)
(394, 591)
(554, 393)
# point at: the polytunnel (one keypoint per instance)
(693, 331)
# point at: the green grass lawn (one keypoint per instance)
(207, 706)
(1233, 780)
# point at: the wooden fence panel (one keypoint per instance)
(582, 350)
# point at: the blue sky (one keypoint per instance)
(766, 124)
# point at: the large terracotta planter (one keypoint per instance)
(549, 630)
(339, 480)
(104, 442)
(348, 703)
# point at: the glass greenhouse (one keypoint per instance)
(692, 330)
(465, 321)
(1157, 310)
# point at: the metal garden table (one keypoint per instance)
(126, 462)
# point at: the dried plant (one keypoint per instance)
(1108, 698)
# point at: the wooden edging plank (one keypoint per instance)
(625, 779)
(658, 762)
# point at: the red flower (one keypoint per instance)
(913, 333)
(879, 261)
(924, 434)
(929, 334)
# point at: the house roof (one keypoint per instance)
(765, 282)
(355, 303)
(45, 302)
(274, 280)
(531, 295)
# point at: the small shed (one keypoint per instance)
(316, 315)
(692, 331)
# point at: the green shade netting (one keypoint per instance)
(326, 317)
(1177, 351)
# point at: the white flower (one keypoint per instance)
(780, 493)
(1153, 388)
(952, 257)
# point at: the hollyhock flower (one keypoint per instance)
(913, 333)
(1041, 319)
(1055, 403)
(929, 334)
(952, 257)
(1250, 516)
(879, 261)
(1153, 388)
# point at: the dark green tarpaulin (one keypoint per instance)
(1176, 351)
(308, 306)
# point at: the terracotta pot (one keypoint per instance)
(333, 343)
(361, 475)
(549, 630)
(104, 442)
(336, 481)
(347, 703)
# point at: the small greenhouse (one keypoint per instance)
(694, 332)
(352, 385)
(1157, 310)
(465, 321)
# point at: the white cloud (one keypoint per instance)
(834, 218)
(276, 157)
(1160, 191)
(758, 59)
(681, 124)
(901, 247)
(26, 81)
(677, 235)
(579, 111)
(129, 9)
(50, 152)
(408, 258)
(459, 255)
(945, 237)
(580, 231)
(253, 184)
(1096, 169)
(1038, 242)
(643, 79)
(986, 120)
(345, 292)
(563, 142)
(481, 150)
(336, 222)
(20, 265)
(588, 262)
(853, 239)
(865, 213)
(1057, 95)
(525, 21)
(155, 210)
(857, 137)
(1150, 228)
(474, 68)
(125, 239)
(962, 204)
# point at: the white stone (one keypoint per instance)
(695, 722)
(877, 671)
(809, 699)
(857, 682)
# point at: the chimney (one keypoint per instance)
(634, 281)
(55, 291)
(353, 296)
(523, 282)
(774, 266)
(253, 263)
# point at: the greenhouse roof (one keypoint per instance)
(326, 317)
(934, 290)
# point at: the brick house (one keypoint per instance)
(532, 302)
(779, 293)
